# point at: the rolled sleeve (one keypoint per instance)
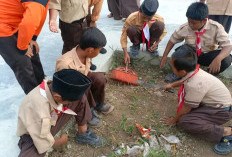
(55, 4)
(96, 10)
(176, 37)
(41, 135)
(61, 64)
(123, 39)
(164, 33)
(222, 37)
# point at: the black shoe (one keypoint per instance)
(170, 78)
(104, 108)
(224, 147)
(134, 51)
(90, 138)
(103, 51)
(95, 121)
(93, 67)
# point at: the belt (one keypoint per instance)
(79, 21)
(228, 108)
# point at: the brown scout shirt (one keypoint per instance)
(70, 10)
(70, 60)
(97, 6)
(220, 7)
(214, 36)
(36, 116)
(205, 89)
(135, 19)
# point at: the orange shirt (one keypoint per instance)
(23, 16)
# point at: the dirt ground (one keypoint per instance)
(142, 105)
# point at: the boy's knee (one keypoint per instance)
(100, 79)
(157, 26)
(131, 30)
(226, 63)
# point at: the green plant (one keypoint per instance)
(112, 154)
(134, 106)
(128, 129)
(157, 153)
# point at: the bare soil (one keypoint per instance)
(142, 105)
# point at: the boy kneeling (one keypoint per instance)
(43, 111)
(204, 101)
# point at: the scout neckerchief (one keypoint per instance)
(146, 32)
(181, 90)
(60, 109)
(198, 46)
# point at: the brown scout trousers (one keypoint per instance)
(95, 94)
(135, 34)
(205, 122)
(71, 33)
(120, 9)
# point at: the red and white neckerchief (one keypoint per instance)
(198, 41)
(60, 109)
(181, 93)
(146, 33)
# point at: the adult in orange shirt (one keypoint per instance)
(20, 23)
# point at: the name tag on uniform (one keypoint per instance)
(189, 36)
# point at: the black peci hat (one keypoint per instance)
(70, 84)
(149, 7)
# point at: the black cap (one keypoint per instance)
(70, 84)
(149, 7)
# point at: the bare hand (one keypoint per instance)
(163, 61)
(168, 86)
(215, 66)
(64, 139)
(152, 48)
(29, 52)
(34, 44)
(127, 58)
(169, 121)
(53, 26)
(92, 24)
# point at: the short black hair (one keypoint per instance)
(197, 11)
(185, 58)
(92, 37)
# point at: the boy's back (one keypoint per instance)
(70, 60)
(205, 89)
(35, 118)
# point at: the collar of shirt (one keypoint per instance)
(188, 75)
(79, 64)
(49, 95)
(206, 26)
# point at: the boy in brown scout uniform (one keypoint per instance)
(47, 108)
(143, 26)
(207, 37)
(79, 58)
(205, 104)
